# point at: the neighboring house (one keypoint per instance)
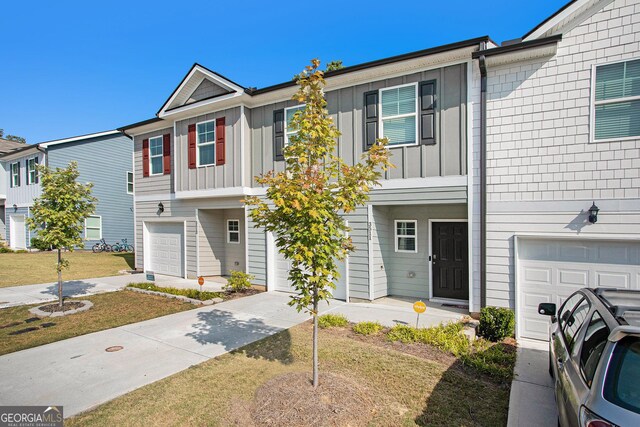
(500, 153)
(104, 159)
(563, 133)
(6, 147)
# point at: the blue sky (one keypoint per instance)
(71, 68)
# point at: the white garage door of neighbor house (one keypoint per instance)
(551, 270)
(282, 273)
(17, 232)
(166, 248)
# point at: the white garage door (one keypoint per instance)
(166, 248)
(282, 273)
(551, 270)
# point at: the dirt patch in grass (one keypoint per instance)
(21, 330)
(39, 267)
(410, 386)
(66, 306)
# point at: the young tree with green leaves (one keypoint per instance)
(58, 214)
(306, 203)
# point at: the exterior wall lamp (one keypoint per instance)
(593, 213)
(15, 207)
(160, 207)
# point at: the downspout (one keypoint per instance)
(483, 181)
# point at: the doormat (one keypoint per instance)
(456, 306)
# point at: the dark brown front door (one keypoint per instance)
(450, 260)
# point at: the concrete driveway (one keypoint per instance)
(532, 400)
(79, 374)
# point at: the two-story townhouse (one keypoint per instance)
(195, 162)
(562, 135)
(104, 159)
(6, 146)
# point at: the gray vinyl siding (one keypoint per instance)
(3, 230)
(103, 161)
(400, 266)
(24, 194)
(181, 211)
(257, 242)
(359, 259)
(380, 239)
(418, 196)
(447, 157)
(157, 184)
(206, 89)
(4, 183)
(209, 177)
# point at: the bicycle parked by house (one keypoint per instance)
(102, 246)
(123, 246)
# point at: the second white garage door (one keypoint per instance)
(551, 270)
(165, 246)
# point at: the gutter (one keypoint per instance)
(483, 181)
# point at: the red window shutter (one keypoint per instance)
(220, 141)
(192, 146)
(166, 153)
(145, 157)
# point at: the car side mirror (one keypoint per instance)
(547, 309)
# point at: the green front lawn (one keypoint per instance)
(40, 267)
(19, 329)
(403, 384)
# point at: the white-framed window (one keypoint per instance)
(156, 166)
(205, 142)
(32, 172)
(615, 101)
(399, 114)
(93, 228)
(233, 231)
(15, 174)
(406, 232)
(129, 182)
(288, 116)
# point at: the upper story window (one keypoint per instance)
(205, 141)
(616, 101)
(288, 115)
(129, 182)
(233, 231)
(406, 236)
(156, 156)
(32, 171)
(15, 174)
(398, 119)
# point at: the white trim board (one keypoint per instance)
(78, 138)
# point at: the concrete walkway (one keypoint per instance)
(34, 294)
(79, 374)
(532, 400)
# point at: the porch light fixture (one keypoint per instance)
(15, 207)
(160, 207)
(593, 213)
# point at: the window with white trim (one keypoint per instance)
(129, 182)
(288, 116)
(205, 142)
(15, 174)
(93, 228)
(233, 231)
(32, 172)
(156, 155)
(616, 101)
(399, 117)
(406, 232)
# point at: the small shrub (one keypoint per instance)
(367, 328)
(38, 244)
(21, 251)
(402, 333)
(446, 337)
(189, 293)
(238, 282)
(5, 250)
(496, 323)
(332, 321)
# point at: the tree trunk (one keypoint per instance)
(315, 338)
(59, 278)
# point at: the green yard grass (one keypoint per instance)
(39, 267)
(20, 330)
(410, 384)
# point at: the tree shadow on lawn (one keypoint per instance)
(128, 257)
(70, 288)
(466, 396)
(227, 329)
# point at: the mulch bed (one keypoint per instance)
(66, 306)
(228, 296)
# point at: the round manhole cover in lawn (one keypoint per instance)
(113, 348)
